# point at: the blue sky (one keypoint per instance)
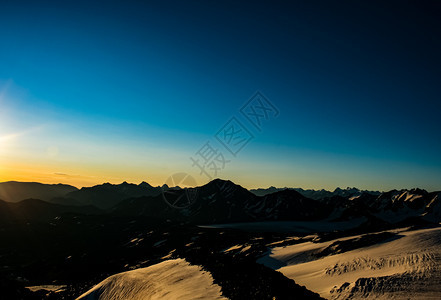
(115, 91)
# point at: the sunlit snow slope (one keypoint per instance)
(171, 279)
(406, 266)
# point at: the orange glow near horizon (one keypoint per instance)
(42, 174)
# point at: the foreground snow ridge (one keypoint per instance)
(171, 279)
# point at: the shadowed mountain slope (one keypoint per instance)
(14, 191)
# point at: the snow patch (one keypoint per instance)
(171, 279)
(407, 267)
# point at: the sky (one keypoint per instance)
(137, 91)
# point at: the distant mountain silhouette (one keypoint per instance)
(108, 195)
(316, 194)
(39, 210)
(222, 201)
(14, 191)
(289, 205)
(217, 201)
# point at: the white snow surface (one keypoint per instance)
(48, 287)
(408, 267)
(170, 279)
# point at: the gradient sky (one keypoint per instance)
(129, 91)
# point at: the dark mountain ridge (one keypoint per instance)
(14, 191)
(39, 210)
(107, 195)
(316, 194)
(222, 201)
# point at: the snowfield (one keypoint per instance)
(406, 266)
(171, 279)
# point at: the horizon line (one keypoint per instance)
(249, 189)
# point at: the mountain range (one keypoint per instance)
(316, 194)
(13, 191)
(222, 201)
